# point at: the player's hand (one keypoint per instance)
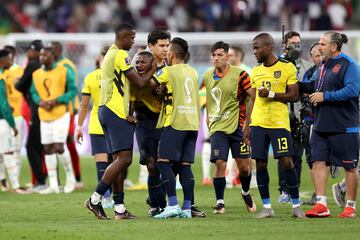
(44, 104)
(78, 134)
(161, 90)
(52, 103)
(263, 92)
(15, 131)
(132, 119)
(317, 97)
(246, 135)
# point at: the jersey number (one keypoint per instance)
(282, 144)
(119, 84)
(267, 85)
(244, 148)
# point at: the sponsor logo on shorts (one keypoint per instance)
(216, 152)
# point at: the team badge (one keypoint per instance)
(216, 152)
(127, 61)
(336, 68)
(277, 74)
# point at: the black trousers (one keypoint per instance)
(34, 148)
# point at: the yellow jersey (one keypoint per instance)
(268, 113)
(50, 85)
(91, 88)
(115, 87)
(73, 105)
(146, 96)
(15, 98)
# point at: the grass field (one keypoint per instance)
(62, 216)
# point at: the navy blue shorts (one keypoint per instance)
(148, 137)
(280, 139)
(119, 133)
(98, 144)
(221, 143)
(337, 149)
(177, 145)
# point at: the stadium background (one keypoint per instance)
(83, 27)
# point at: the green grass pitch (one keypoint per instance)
(62, 216)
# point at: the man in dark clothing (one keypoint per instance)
(33, 145)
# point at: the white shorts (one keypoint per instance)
(7, 143)
(19, 139)
(55, 131)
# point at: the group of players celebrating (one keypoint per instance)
(159, 100)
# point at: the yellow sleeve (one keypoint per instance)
(292, 75)
(86, 86)
(162, 75)
(122, 61)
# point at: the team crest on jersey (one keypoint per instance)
(336, 68)
(127, 61)
(159, 72)
(277, 74)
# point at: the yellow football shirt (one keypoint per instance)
(115, 87)
(91, 87)
(268, 113)
(146, 96)
(14, 97)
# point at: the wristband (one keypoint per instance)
(271, 94)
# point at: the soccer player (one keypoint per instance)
(117, 73)
(91, 90)
(15, 99)
(275, 83)
(292, 53)
(34, 148)
(335, 135)
(227, 87)
(147, 106)
(180, 122)
(52, 89)
(8, 127)
(73, 107)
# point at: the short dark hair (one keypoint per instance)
(220, 45)
(179, 47)
(104, 50)
(124, 27)
(157, 34)
(239, 50)
(57, 44)
(313, 45)
(4, 53)
(289, 35)
(338, 38)
(11, 49)
(146, 53)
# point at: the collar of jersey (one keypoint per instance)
(218, 76)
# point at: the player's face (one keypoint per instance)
(315, 55)
(260, 50)
(160, 49)
(45, 56)
(129, 39)
(326, 48)
(219, 58)
(5, 62)
(233, 57)
(142, 64)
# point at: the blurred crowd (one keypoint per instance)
(176, 15)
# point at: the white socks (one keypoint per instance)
(95, 198)
(65, 159)
(205, 158)
(2, 168)
(51, 167)
(350, 203)
(120, 208)
(10, 164)
(322, 200)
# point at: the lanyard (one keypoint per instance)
(321, 77)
